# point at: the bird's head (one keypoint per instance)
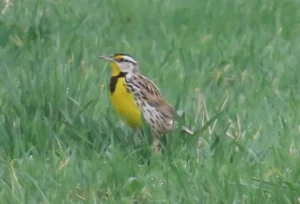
(121, 62)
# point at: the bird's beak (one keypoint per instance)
(107, 58)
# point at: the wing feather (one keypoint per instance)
(153, 97)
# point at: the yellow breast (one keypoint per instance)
(124, 104)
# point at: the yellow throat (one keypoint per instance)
(122, 100)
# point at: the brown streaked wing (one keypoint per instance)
(153, 96)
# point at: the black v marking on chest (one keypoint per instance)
(114, 80)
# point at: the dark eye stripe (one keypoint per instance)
(125, 60)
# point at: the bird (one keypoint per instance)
(136, 98)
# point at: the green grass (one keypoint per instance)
(59, 139)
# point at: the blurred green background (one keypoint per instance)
(61, 142)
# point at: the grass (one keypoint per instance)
(61, 142)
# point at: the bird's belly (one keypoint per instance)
(124, 104)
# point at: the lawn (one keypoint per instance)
(231, 65)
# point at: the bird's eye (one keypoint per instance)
(121, 60)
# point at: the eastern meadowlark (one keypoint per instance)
(134, 96)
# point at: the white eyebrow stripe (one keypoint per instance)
(130, 59)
